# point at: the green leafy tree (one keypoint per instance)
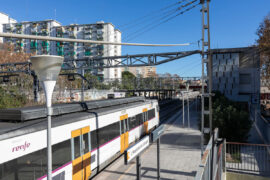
(128, 80)
(263, 42)
(231, 118)
(11, 98)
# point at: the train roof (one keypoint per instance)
(22, 121)
(36, 112)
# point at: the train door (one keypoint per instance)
(124, 133)
(81, 153)
(145, 120)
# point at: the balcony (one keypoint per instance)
(100, 38)
(87, 53)
(99, 26)
(33, 45)
(45, 44)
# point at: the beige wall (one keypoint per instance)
(145, 71)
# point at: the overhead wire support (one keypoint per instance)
(49, 38)
(206, 62)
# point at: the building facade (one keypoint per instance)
(236, 73)
(5, 18)
(99, 31)
(41, 28)
(144, 71)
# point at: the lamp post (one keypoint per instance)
(47, 69)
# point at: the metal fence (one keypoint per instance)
(249, 158)
(212, 165)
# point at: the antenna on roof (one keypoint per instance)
(54, 14)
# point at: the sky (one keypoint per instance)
(233, 23)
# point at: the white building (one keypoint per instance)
(99, 31)
(236, 73)
(41, 28)
(5, 18)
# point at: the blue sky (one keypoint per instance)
(233, 23)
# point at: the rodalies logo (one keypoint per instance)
(21, 147)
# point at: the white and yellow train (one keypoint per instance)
(85, 137)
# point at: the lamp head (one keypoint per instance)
(47, 67)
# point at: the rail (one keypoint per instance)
(212, 164)
(248, 158)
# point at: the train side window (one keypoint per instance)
(126, 125)
(86, 140)
(77, 151)
(30, 166)
(139, 119)
(61, 154)
(122, 126)
(151, 114)
(93, 139)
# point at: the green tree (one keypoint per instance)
(263, 42)
(232, 118)
(11, 98)
(128, 80)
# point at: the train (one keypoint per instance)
(86, 137)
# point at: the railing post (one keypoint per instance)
(224, 156)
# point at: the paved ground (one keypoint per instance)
(180, 154)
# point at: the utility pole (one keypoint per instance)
(183, 105)
(82, 88)
(206, 61)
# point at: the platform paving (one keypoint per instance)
(179, 153)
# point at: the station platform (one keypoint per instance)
(179, 154)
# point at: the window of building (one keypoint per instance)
(244, 78)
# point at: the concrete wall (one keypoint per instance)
(236, 73)
(75, 95)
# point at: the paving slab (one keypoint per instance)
(179, 154)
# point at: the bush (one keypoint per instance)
(231, 118)
(11, 99)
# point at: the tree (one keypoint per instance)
(231, 118)
(263, 42)
(128, 80)
(8, 54)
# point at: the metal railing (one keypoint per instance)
(212, 165)
(249, 158)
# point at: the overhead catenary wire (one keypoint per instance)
(149, 15)
(162, 22)
(152, 17)
(166, 20)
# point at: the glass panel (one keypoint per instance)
(61, 154)
(93, 139)
(122, 126)
(77, 152)
(85, 143)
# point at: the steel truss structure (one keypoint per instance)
(136, 60)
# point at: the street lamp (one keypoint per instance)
(47, 69)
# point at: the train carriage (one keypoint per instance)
(86, 137)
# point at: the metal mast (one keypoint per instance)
(206, 62)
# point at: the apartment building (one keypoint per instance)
(236, 73)
(5, 18)
(99, 31)
(41, 28)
